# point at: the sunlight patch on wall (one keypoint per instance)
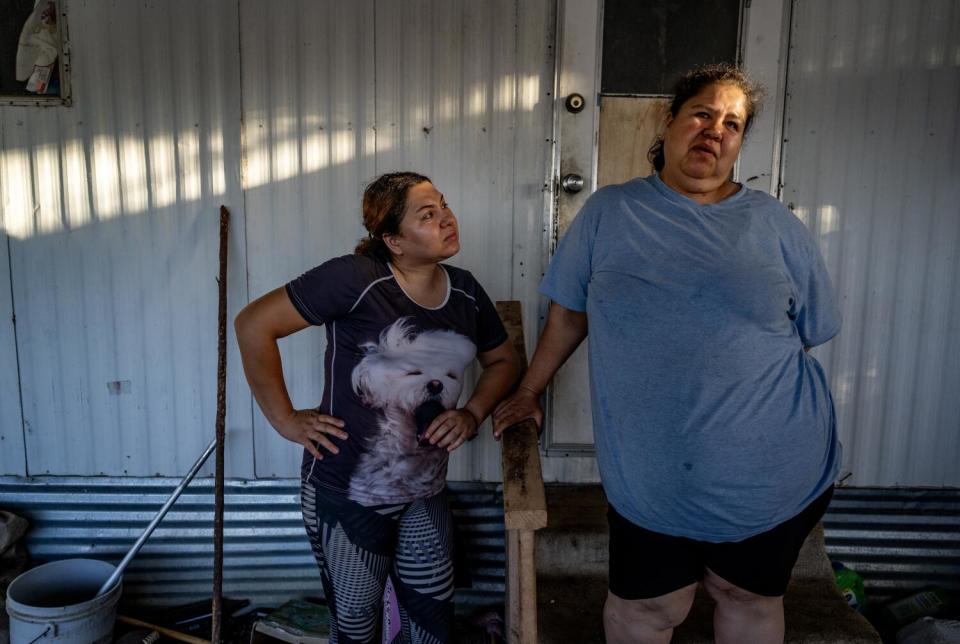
(343, 146)
(803, 215)
(447, 107)
(46, 163)
(504, 95)
(256, 159)
(17, 198)
(133, 162)
(76, 196)
(163, 171)
(106, 177)
(829, 219)
(314, 154)
(285, 161)
(842, 388)
(528, 92)
(370, 146)
(828, 227)
(476, 100)
(188, 155)
(314, 150)
(218, 178)
(49, 187)
(296, 155)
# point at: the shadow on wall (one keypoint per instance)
(110, 206)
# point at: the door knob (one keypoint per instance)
(572, 183)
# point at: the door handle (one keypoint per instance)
(572, 183)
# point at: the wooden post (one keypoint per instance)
(217, 603)
(524, 504)
(528, 587)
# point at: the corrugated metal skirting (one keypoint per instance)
(267, 557)
(897, 539)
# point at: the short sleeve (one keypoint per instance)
(568, 276)
(815, 312)
(328, 291)
(490, 331)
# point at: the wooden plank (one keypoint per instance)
(524, 501)
(510, 313)
(528, 587)
(628, 127)
(166, 632)
(514, 624)
(521, 587)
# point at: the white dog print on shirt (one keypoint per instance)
(406, 376)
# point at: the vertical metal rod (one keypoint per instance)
(217, 607)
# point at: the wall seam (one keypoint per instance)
(246, 236)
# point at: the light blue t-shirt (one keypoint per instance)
(710, 420)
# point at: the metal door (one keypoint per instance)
(569, 428)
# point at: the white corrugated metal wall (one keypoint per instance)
(871, 157)
(12, 458)
(110, 206)
(308, 114)
(457, 90)
(111, 211)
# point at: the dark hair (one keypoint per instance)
(383, 201)
(691, 84)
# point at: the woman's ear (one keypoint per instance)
(393, 244)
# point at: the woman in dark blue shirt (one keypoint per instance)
(401, 328)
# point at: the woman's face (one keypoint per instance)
(701, 143)
(428, 229)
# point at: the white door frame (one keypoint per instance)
(765, 46)
(579, 37)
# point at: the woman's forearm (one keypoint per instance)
(494, 384)
(563, 333)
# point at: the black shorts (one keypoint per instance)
(646, 564)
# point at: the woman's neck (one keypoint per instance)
(425, 283)
(420, 274)
(703, 193)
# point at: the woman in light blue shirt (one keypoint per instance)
(718, 448)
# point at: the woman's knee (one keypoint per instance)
(731, 597)
(647, 615)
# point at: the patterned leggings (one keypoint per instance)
(357, 546)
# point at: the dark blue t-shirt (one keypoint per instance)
(391, 366)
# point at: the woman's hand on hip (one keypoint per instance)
(451, 429)
(523, 404)
(309, 427)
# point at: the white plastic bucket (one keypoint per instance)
(55, 603)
